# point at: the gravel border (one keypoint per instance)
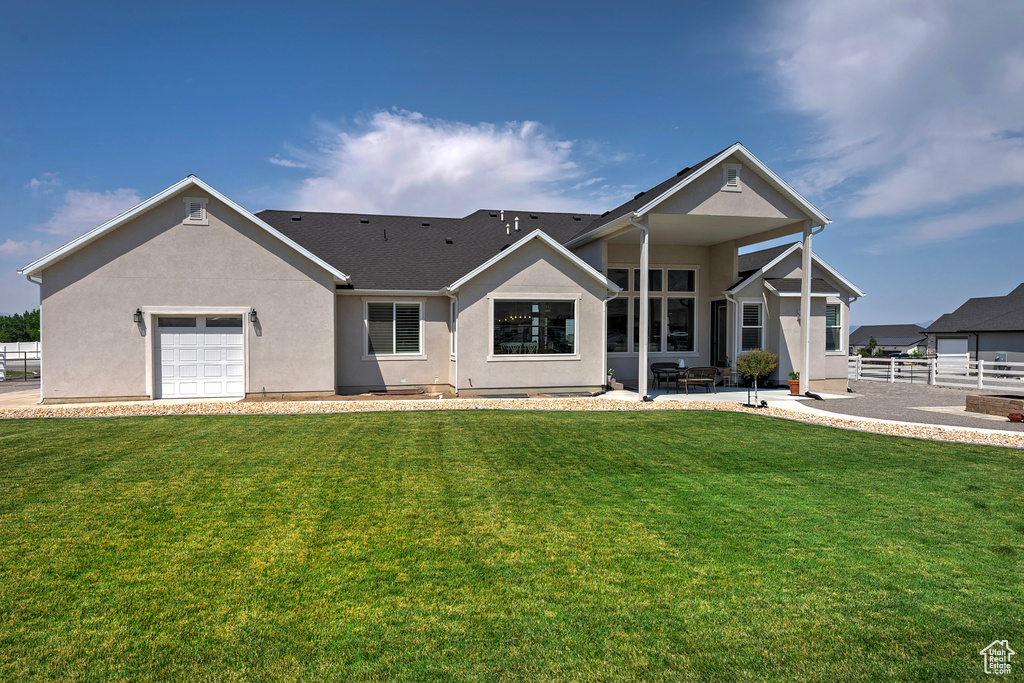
(917, 431)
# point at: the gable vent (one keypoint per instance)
(296, 216)
(731, 179)
(195, 211)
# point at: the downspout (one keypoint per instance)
(40, 283)
(735, 330)
(606, 382)
(455, 333)
(645, 262)
(805, 306)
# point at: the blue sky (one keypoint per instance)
(903, 121)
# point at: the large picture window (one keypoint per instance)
(618, 325)
(833, 327)
(393, 328)
(534, 327)
(680, 325)
(672, 315)
(653, 324)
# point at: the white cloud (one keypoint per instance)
(287, 163)
(83, 210)
(45, 184)
(968, 221)
(403, 162)
(919, 102)
(21, 247)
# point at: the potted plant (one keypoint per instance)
(757, 363)
(794, 382)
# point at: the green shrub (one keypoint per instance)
(757, 364)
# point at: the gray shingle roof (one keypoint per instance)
(399, 252)
(756, 260)
(985, 314)
(893, 335)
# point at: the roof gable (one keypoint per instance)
(555, 246)
(646, 202)
(791, 249)
(37, 266)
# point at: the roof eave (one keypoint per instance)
(36, 267)
(544, 237)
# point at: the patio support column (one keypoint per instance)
(645, 262)
(805, 309)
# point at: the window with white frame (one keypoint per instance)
(833, 327)
(195, 211)
(752, 327)
(534, 327)
(393, 328)
(671, 320)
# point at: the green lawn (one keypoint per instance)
(501, 545)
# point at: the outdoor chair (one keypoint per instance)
(664, 372)
(700, 376)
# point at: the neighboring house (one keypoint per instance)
(890, 339)
(987, 328)
(189, 294)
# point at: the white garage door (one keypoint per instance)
(200, 357)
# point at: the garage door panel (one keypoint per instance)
(201, 362)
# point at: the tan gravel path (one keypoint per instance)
(920, 431)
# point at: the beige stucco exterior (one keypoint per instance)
(359, 372)
(94, 349)
(535, 271)
(782, 327)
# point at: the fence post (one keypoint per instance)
(860, 367)
(981, 374)
(932, 370)
(892, 370)
(3, 365)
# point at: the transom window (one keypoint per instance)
(671, 325)
(534, 327)
(393, 328)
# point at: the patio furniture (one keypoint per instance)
(701, 376)
(665, 372)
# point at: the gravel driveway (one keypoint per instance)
(905, 403)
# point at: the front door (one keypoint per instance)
(719, 333)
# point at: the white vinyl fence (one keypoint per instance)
(17, 356)
(947, 370)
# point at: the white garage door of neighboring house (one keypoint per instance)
(200, 357)
(951, 346)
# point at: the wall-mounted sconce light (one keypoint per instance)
(252, 315)
(137, 316)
